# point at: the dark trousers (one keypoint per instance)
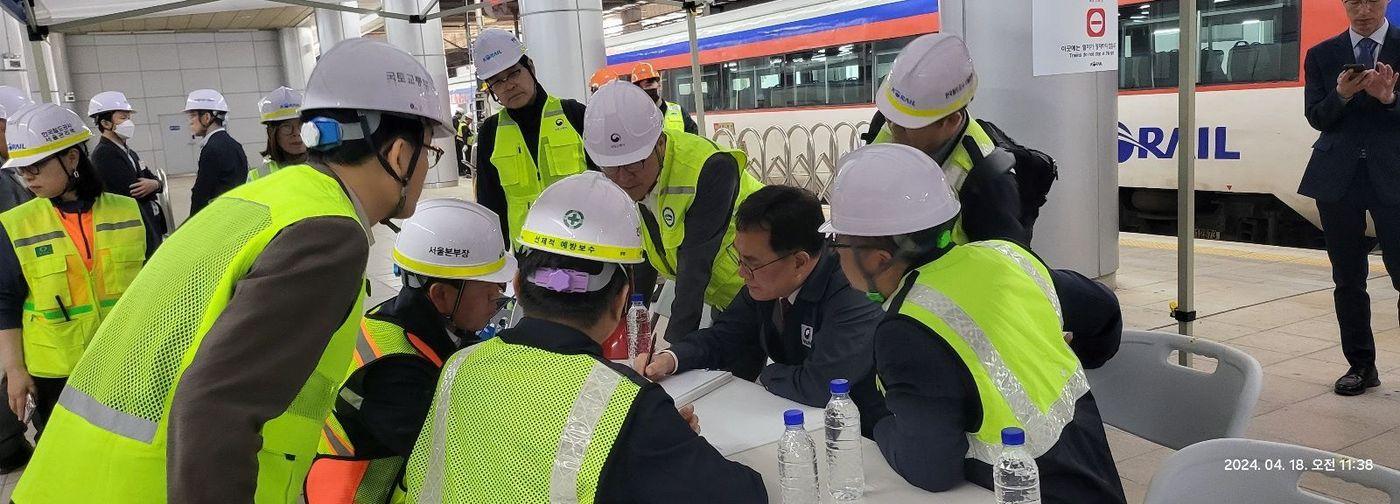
(11, 429)
(1344, 229)
(46, 392)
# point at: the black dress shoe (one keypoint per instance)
(17, 458)
(1356, 381)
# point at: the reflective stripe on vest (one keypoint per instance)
(958, 164)
(532, 387)
(1006, 400)
(67, 301)
(685, 158)
(115, 409)
(559, 154)
(268, 167)
(675, 118)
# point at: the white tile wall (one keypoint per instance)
(156, 71)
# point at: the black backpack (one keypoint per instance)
(1035, 172)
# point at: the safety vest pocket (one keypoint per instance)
(120, 267)
(52, 347)
(48, 285)
(509, 169)
(565, 158)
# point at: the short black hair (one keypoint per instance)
(582, 308)
(791, 215)
(350, 152)
(102, 116)
(916, 248)
(88, 186)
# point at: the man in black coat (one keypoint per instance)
(222, 163)
(118, 164)
(1355, 167)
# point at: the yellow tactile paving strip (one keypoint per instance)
(1260, 253)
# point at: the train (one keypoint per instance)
(792, 82)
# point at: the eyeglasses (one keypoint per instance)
(33, 170)
(503, 302)
(434, 155)
(750, 270)
(503, 78)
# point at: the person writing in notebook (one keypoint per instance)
(796, 308)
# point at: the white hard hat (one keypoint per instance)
(366, 74)
(494, 51)
(108, 101)
(456, 240)
(206, 99)
(585, 216)
(281, 104)
(621, 124)
(39, 131)
(930, 79)
(888, 190)
(12, 99)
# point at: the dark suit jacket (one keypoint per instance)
(222, 166)
(1350, 128)
(827, 333)
(119, 168)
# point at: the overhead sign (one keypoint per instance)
(1074, 36)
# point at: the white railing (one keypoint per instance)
(799, 156)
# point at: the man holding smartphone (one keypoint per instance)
(1355, 168)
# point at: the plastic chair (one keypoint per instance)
(1269, 475)
(1143, 390)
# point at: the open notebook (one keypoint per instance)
(686, 387)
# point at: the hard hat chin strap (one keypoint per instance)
(872, 291)
(404, 180)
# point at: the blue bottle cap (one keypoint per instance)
(840, 386)
(1013, 436)
(637, 298)
(792, 417)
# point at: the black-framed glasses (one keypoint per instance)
(750, 270)
(503, 302)
(434, 155)
(503, 78)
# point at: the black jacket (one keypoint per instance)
(119, 167)
(827, 333)
(222, 166)
(488, 180)
(397, 390)
(1351, 130)
(934, 404)
(656, 458)
(12, 190)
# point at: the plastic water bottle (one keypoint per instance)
(1016, 476)
(797, 462)
(846, 473)
(638, 328)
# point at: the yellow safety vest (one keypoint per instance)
(267, 168)
(107, 439)
(341, 474)
(1006, 327)
(522, 178)
(675, 118)
(66, 302)
(685, 157)
(958, 164)
(564, 413)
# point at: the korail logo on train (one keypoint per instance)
(1151, 142)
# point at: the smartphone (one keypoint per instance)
(1354, 67)
(28, 408)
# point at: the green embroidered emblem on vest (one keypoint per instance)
(573, 219)
(43, 250)
(669, 216)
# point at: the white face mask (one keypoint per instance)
(126, 129)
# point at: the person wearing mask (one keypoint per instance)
(69, 255)
(455, 268)
(600, 78)
(279, 113)
(924, 103)
(580, 237)
(14, 448)
(222, 163)
(211, 381)
(534, 141)
(687, 190)
(796, 309)
(960, 360)
(1349, 97)
(118, 164)
(676, 118)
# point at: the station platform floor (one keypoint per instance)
(1274, 303)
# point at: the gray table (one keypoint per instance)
(882, 484)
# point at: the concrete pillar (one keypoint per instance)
(63, 76)
(14, 42)
(297, 57)
(44, 72)
(424, 41)
(334, 26)
(565, 40)
(1071, 117)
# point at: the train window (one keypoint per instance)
(709, 85)
(1241, 41)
